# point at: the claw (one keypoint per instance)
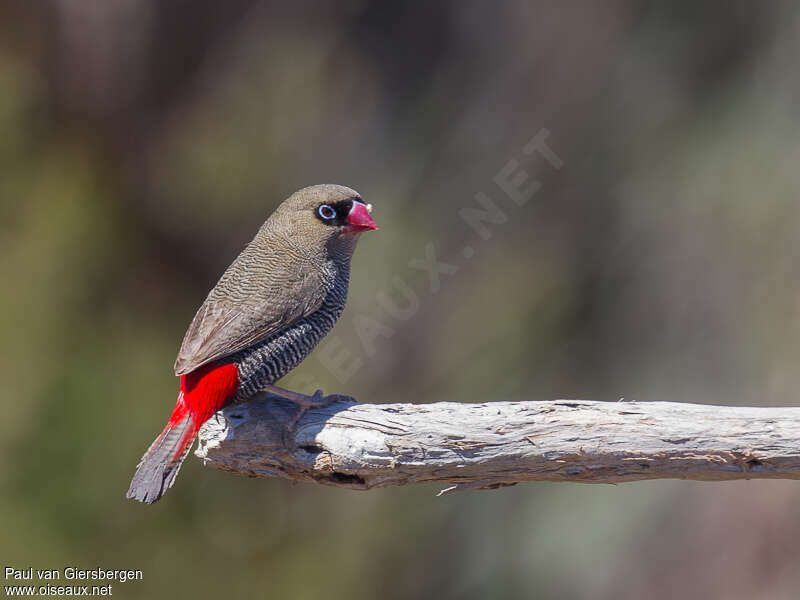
(306, 403)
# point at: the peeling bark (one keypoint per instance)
(494, 444)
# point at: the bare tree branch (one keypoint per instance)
(479, 446)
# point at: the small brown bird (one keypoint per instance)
(268, 311)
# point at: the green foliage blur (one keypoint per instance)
(143, 143)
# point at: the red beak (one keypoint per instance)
(358, 219)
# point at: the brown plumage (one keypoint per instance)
(267, 312)
(281, 276)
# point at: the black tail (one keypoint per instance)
(160, 464)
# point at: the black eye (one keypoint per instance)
(327, 212)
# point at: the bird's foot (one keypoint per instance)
(306, 403)
(318, 400)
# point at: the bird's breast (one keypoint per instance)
(269, 360)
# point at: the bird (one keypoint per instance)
(271, 307)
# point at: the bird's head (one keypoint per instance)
(329, 216)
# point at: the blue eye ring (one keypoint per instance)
(326, 212)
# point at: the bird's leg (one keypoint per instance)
(304, 402)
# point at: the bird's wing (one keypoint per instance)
(224, 325)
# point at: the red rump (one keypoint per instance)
(204, 391)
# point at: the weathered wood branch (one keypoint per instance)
(474, 446)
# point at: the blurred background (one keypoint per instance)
(142, 143)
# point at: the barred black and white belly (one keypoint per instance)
(268, 361)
